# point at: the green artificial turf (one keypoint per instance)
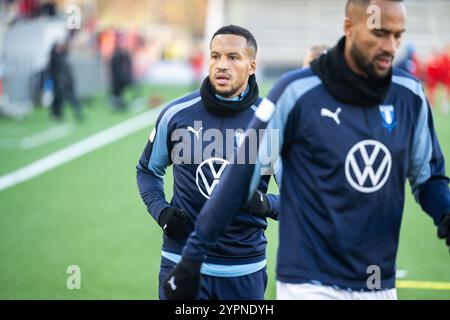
(88, 213)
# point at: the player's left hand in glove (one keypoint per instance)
(444, 229)
(258, 205)
(183, 282)
(174, 221)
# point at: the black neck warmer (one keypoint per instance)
(344, 84)
(226, 108)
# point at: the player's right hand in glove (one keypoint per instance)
(444, 229)
(174, 222)
(183, 282)
(258, 205)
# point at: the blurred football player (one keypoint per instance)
(313, 53)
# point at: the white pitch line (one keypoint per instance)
(47, 136)
(79, 149)
(37, 139)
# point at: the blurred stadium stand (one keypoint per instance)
(173, 29)
(25, 55)
(26, 51)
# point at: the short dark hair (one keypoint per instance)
(363, 2)
(238, 31)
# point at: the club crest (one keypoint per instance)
(388, 116)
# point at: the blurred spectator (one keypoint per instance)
(47, 91)
(63, 83)
(437, 79)
(29, 9)
(410, 62)
(107, 43)
(121, 74)
(445, 105)
(432, 71)
(313, 53)
(48, 9)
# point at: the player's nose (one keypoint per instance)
(390, 45)
(222, 64)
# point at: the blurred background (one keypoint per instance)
(167, 40)
(81, 85)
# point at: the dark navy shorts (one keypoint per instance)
(248, 287)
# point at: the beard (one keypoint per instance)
(227, 92)
(366, 65)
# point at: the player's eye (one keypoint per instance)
(379, 33)
(398, 36)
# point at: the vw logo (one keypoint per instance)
(211, 166)
(376, 166)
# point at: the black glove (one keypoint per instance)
(183, 282)
(444, 229)
(174, 222)
(258, 205)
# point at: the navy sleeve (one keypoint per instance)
(274, 200)
(271, 198)
(151, 169)
(427, 168)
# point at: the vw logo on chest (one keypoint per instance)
(368, 165)
(211, 166)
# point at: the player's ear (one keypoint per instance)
(348, 27)
(252, 67)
